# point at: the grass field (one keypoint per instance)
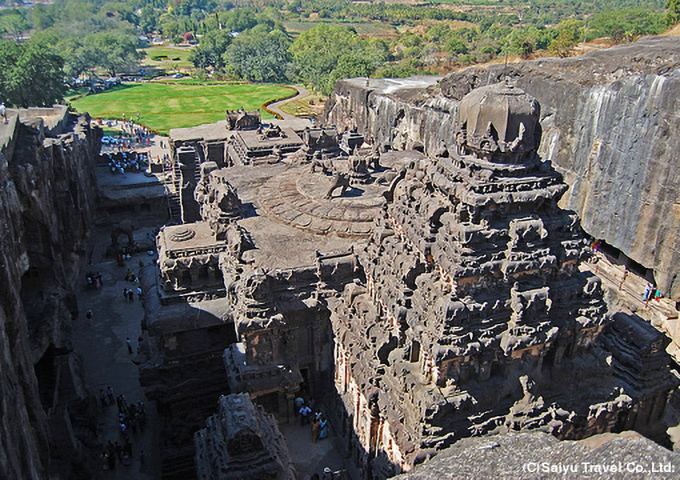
(308, 106)
(166, 57)
(163, 106)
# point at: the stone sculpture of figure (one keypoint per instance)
(325, 164)
(374, 158)
(126, 228)
(257, 287)
(237, 240)
(340, 180)
(276, 156)
(441, 150)
(357, 164)
(301, 155)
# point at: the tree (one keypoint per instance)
(148, 19)
(14, 24)
(456, 46)
(80, 57)
(522, 43)
(31, 74)
(673, 7)
(569, 32)
(44, 16)
(351, 65)
(323, 49)
(239, 19)
(626, 24)
(259, 56)
(121, 10)
(115, 51)
(212, 47)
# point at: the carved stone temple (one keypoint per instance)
(473, 317)
(242, 442)
(422, 297)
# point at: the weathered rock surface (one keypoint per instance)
(46, 202)
(242, 442)
(473, 318)
(539, 455)
(610, 126)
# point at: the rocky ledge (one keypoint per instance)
(540, 455)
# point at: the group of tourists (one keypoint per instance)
(129, 131)
(329, 474)
(139, 133)
(131, 277)
(314, 417)
(129, 294)
(94, 280)
(131, 419)
(122, 162)
(126, 252)
(165, 160)
(651, 293)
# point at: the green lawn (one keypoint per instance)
(163, 106)
(166, 57)
(308, 106)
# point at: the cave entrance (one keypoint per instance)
(304, 385)
(269, 401)
(617, 257)
(44, 372)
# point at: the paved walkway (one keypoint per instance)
(308, 457)
(106, 361)
(302, 92)
(157, 147)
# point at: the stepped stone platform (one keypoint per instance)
(298, 197)
(300, 202)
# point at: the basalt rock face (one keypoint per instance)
(46, 202)
(538, 455)
(610, 126)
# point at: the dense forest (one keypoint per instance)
(311, 41)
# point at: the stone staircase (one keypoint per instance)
(174, 203)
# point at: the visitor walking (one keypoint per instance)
(316, 429)
(323, 424)
(129, 345)
(305, 413)
(3, 111)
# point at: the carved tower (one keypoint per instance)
(474, 317)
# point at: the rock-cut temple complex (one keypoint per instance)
(416, 264)
(423, 297)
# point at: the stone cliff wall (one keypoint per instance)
(46, 202)
(610, 124)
